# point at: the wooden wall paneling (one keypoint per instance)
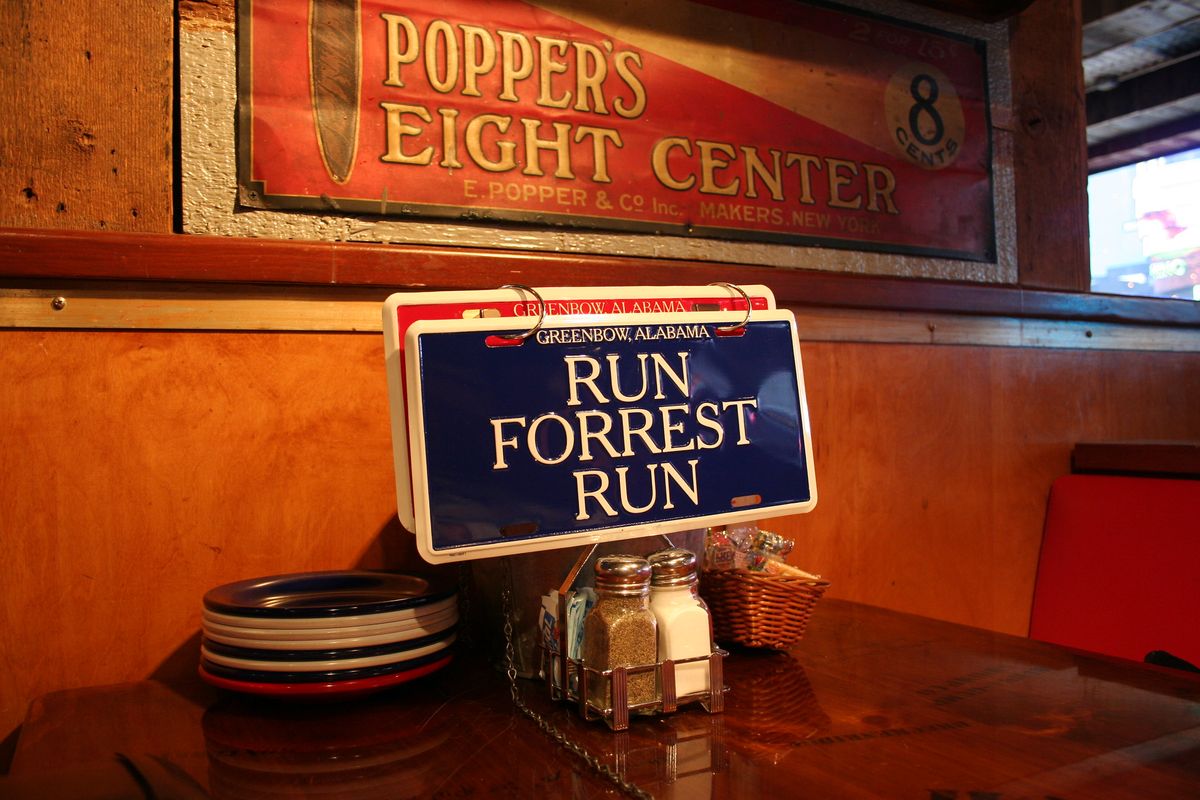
(934, 463)
(208, 12)
(87, 93)
(141, 469)
(899, 470)
(1050, 147)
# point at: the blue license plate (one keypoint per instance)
(639, 425)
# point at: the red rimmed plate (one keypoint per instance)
(342, 689)
(321, 660)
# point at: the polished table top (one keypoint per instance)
(872, 703)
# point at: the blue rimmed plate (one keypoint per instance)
(318, 675)
(329, 594)
(324, 654)
(315, 686)
(316, 627)
(324, 665)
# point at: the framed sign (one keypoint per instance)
(786, 122)
(604, 429)
(404, 308)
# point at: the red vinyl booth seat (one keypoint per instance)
(1119, 571)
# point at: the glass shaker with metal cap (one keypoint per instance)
(684, 626)
(620, 630)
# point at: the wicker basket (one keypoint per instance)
(754, 609)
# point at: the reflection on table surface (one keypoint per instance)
(871, 704)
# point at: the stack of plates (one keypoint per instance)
(326, 633)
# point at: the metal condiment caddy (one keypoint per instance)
(570, 679)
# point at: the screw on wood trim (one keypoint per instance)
(58, 303)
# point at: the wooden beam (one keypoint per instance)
(51, 255)
(1161, 140)
(984, 10)
(127, 305)
(86, 87)
(1050, 147)
(1160, 87)
(1157, 459)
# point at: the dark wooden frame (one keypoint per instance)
(1143, 459)
(82, 255)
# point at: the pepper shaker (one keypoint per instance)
(620, 630)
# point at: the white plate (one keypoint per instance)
(332, 643)
(324, 666)
(294, 623)
(407, 629)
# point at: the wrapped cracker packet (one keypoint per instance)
(746, 547)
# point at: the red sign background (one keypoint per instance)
(774, 122)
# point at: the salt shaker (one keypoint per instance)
(620, 629)
(684, 626)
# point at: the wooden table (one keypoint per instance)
(872, 703)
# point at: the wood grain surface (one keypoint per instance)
(934, 464)
(87, 89)
(1049, 146)
(871, 704)
(142, 468)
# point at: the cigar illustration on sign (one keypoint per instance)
(335, 70)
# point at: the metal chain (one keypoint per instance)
(546, 726)
(465, 623)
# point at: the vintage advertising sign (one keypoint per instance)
(402, 309)
(619, 427)
(811, 124)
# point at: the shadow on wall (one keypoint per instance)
(7, 747)
(392, 548)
